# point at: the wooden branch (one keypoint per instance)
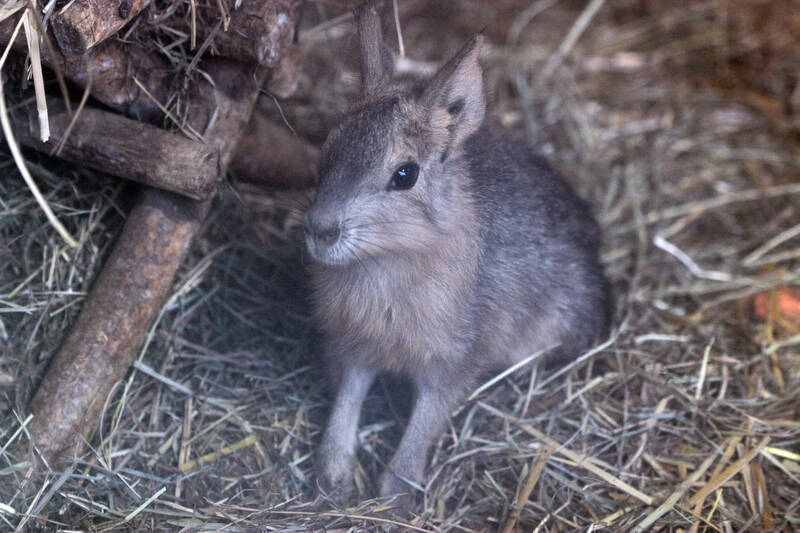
(126, 148)
(110, 68)
(105, 338)
(136, 279)
(285, 78)
(270, 154)
(82, 24)
(112, 65)
(259, 31)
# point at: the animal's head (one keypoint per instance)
(391, 175)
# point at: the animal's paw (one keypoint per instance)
(334, 472)
(401, 493)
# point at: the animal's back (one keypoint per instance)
(540, 282)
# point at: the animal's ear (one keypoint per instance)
(377, 61)
(454, 97)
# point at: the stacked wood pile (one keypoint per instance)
(181, 166)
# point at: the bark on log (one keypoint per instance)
(126, 148)
(259, 31)
(136, 279)
(285, 78)
(111, 68)
(82, 24)
(269, 153)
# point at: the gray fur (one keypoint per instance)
(489, 258)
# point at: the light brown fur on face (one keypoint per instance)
(400, 294)
(404, 307)
(486, 258)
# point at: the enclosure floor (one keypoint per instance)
(680, 123)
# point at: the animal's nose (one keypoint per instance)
(327, 232)
(328, 235)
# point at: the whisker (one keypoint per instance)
(356, 238)
(388, 251)
(390, 222)
(396, 234)
(353, 250)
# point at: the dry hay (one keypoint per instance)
(680, 123)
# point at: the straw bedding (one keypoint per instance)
(680, 123)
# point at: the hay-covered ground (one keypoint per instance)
(681, 124)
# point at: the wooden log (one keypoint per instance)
(136, 279)
(111, 68)
(285, 79)
(82, 24)
(269, 153)
(126, 148)
(108, 332)
(259, 31)
(256, 32)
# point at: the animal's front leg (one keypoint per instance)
(434, 402)
(336, 454)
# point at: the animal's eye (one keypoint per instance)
(404, 177)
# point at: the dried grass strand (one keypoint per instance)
(32, 36)
(20, 161)
(580, 460)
